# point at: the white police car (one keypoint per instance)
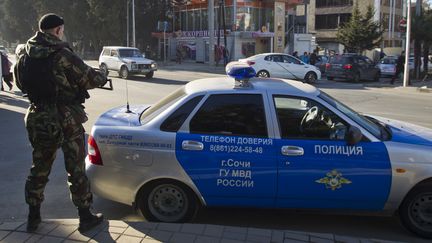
(264, 143)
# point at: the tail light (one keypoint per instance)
(327, 65)
(93, 152)
(347, 66)
(250, 63)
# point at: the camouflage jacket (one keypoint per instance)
(73, 77)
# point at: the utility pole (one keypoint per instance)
(211, 32)
(133, 23)
(407, 45)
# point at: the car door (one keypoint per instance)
(316, 167)
(276, 69)
(227, 151)
(294, 67)
(363, 68)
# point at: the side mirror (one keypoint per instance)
(353, 136)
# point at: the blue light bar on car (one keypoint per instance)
(240, 71)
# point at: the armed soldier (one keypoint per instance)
(56, 82)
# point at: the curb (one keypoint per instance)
(424, 89)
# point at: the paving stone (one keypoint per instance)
(169, 227)
(236, 229)
(258, 238)
(43, 229)
(320, 240)
(129, 239)
(117, 230)
(105, 237)
(141, 226)
(234, 236)
(70, 241)
(260, 232)
(293, 241)
(51, 239)
(294, 236)
(159, 235)
(118, 223)
(323, 235)
(277, 236)
(193, 228)
(63, 231)
(17, 237)
(86, 236)
(34, 238)
(230, 241)
(67, 222)
(214, 230)
(136, 233)
(149, 240)
(182, 238)
(3, 234)
(11, 226)
(346, 239)
(206, 239)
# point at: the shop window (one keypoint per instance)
(248, 49)
(331, 21)
(333, 3)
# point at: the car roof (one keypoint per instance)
(282, 86)
(120, 47)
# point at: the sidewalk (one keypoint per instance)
(51, 231)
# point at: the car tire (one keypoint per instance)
(168, 201)
(416, 211)
(310, 77)
(149, 75)
(104, 69)
(330, 78)
(263, 74)
(124, 72)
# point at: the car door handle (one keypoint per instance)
(292, 151)
(192, 145)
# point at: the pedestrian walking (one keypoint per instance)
(313, 58)
(179, 54)
(56, 81)
(305, 58)
(400, 63)
(6, 75)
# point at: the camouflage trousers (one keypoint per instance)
(49, 130)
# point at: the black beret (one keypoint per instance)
(49, 21)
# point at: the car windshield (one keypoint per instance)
(364, 122)
(130, 53)
(162, 105)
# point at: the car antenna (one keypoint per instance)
(127, 98)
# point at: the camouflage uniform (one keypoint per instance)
(58, 124)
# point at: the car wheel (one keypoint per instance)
(310, 77)
(168, 201)
(150, 74)
(330, 78)
(104, 69)
(124, 72)
(263, 74)
(416, 211)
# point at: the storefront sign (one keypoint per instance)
(258, 34)
(198, 33)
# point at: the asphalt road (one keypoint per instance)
(15, 157)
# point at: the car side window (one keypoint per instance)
(114, 53)
(277, 58)
(106, 52)
(268, 58)
(301, 118)
(177, 118)
(288, 59)
(231, 114)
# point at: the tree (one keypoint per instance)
(360, 32)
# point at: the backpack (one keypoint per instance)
(37, 78)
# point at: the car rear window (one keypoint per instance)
(340, 60)
(388, 61)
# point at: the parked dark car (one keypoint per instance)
(352, 67)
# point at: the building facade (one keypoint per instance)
(251, 27)
(325, 16)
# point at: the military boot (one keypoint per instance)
(34, 218)
(87, 219)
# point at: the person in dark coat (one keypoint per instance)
(6, 75)
(400, 63)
